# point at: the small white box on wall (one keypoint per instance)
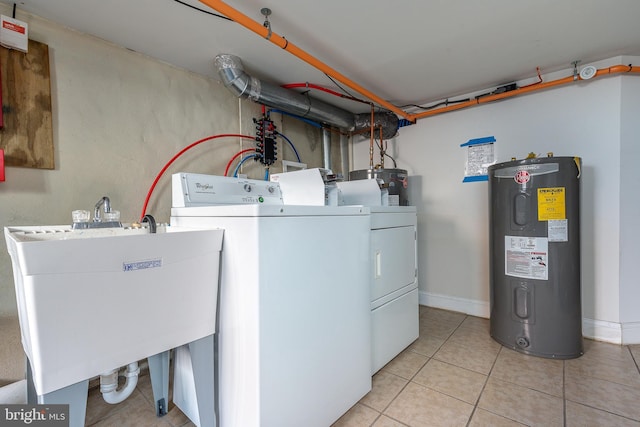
(14, 34)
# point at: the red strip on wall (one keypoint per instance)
(1, 165)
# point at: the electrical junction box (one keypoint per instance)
(14, 34)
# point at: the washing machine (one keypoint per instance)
(294, 337)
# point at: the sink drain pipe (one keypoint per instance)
(109, 384)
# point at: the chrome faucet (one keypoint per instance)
(99, 221)
(107, 208)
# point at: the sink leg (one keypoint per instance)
(159, 372)
(74, 395)
(202, 361)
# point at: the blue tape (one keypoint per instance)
(478, 141)
(476, 178)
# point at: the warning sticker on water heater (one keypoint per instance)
(526, 257)
(551, 203)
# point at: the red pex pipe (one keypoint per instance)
(173, 159)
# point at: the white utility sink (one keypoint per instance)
(93, 300)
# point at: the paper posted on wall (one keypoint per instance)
(480, 155)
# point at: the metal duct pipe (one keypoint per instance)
(239, 82)
(385, 119)
(344, 154)
(326, 147)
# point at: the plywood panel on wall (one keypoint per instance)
(27, 135)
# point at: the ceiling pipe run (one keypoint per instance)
(243, 85)
(234, 77)
(616, 69)
(280, 41)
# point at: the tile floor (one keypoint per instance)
(456, 375)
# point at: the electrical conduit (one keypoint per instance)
(285, 44)
(109, 384)
(616, 69)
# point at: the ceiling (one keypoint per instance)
(404, 51)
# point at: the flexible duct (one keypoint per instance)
(234, 77)
(242, 85)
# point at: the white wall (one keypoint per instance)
(583, 119)
(630, 210)
(118, 117)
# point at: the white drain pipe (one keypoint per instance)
(109, 384)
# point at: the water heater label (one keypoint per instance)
(558, 230)
(551, 203)
(526, 257)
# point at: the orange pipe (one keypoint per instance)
(526, 89)
(274, 38)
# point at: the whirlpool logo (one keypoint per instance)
(206, 188)
(34, 415)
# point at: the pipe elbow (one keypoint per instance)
(234, 77)
(109, 384)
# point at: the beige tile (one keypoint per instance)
(385, 421)
(436, 328)
(427, 345)
(585, 416)
(476, 359)
(419, 406)
(482, 418)
(98, 409)
(521, 404)
(174, 415)
(635, 350)
(474, 338)
(144, 385)
(451, 380)
(620, 370)
(598, 349)
(443, 316)
(385, 387)
(136, 413)
(358, 416)
(609, 396)
(538, 373)
(406, 364)
(478, 323)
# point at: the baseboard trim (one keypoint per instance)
(599, 330)
(462, 305)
